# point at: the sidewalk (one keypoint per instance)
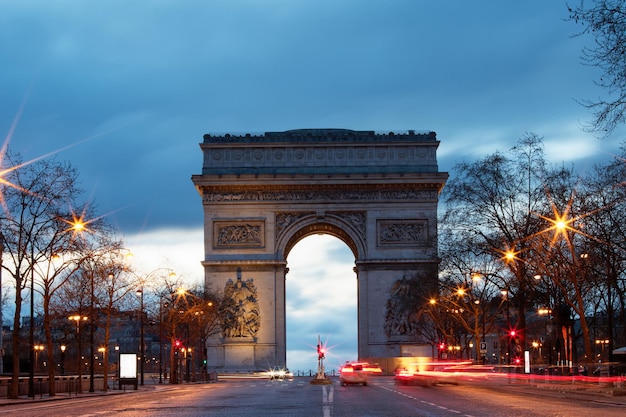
(85, 394)
(604, 392)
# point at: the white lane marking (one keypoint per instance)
(327, 400)
(425, 402)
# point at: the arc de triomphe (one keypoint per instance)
(262, 194)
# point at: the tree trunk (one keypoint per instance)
(15, 342)
(49, 346)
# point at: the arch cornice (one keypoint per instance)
(348, 226)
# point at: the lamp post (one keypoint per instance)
(31, 330)
(505, 297)
(91, 337)
(117, 367)
(37, 348)
(142, 348)
(1, 307)
(103, 352)
(78, 318)
(161, 340)
(63, 347)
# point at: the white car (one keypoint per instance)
(278, 373)
(352, 374)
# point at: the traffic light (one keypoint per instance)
(512, 333)
(442, 346)
(320, 352)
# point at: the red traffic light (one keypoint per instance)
(442, 346)
(512, 333)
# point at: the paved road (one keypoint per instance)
(381, 398)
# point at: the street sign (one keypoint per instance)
(483, 347)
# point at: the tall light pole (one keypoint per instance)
(105, 359)
(1, 308)
(77, 318)
(91, 341)
(63, 347)
(161, 340)
(142, 347)
(31, 331)
(38, 348)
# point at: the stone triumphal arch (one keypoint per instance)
(377, 192)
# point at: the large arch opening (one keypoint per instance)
(321, 299)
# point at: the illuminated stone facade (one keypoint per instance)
(261, 194)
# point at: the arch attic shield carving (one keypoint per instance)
(261, 194)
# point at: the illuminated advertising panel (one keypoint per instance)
(128, 365)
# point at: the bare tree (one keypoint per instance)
(106, 264)
(494, 200)
(35, 225)
(605, 20)
(605, 199)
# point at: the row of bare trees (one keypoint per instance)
(538, 236)
(59, 259)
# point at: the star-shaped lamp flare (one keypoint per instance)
(509, 255)
(562, 223)
(78, 225)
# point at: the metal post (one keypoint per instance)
(142, 348)
(91, 341)
(31, 333)
(79, 386)
(160, 341)
(63, 347)
(1, 308)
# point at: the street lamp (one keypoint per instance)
(142, 348)
(161, 305)
(78, 318)
(117, 367)
(103, 352)
(31, 330)
(91, 336)
(63, 347)
(505, 298)
(37, 349)
(602, 343)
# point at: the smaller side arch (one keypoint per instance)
(334, 225)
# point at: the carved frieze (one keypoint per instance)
(313, 155)
(402, 232)
(209, 196)
(238, 234)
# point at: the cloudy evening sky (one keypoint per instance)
(134, 85)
